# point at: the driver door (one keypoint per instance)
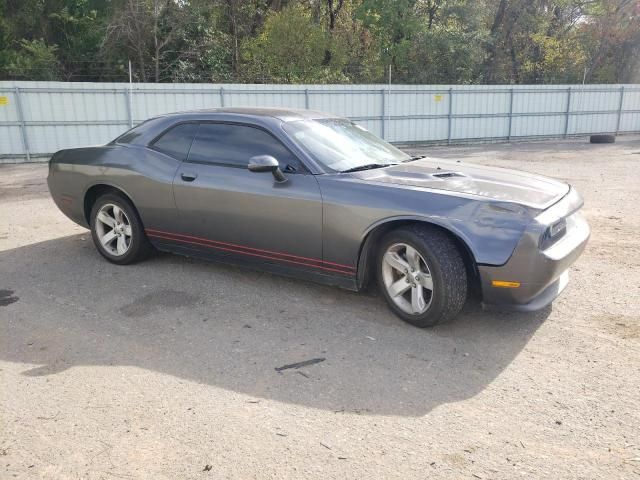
(227, 212)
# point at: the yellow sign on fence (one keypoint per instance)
(4, 100)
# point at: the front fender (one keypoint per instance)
(352, 210)
(433, 220)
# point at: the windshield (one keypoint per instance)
(341, 145)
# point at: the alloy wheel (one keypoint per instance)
(407, 278)
(113, 229)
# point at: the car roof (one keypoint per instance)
(283, 114)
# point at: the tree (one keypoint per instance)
(290, 48)
(34, 60)
(393, 24)
(449, 46)
(77, 29)
(204, 52)
(147, 29)
(333, 8)
(611, 35)
(424, 41)
(354, 49)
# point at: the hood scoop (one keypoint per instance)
(420, 176)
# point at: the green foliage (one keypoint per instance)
(393, 25)
(289, 49)
(322, 41)
(78, 31)
(293, 47)
(439, 54)
(34, 60)
(450, 48)
(207, 60)
(560, 59)
(355, 51)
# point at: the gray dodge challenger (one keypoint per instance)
(313, 196)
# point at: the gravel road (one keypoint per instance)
(166, 369)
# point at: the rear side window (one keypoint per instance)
(234, 145)
(177, 141)
(130, 135)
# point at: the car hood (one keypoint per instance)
(493, 183)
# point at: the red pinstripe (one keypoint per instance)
(227, 244)
(230, 247)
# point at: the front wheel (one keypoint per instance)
(117, 231)
(422, 275)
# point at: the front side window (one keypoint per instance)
(234, 145)
(340, 144)
(177, 141)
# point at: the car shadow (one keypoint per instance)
(228, 327)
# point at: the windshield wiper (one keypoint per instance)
(368, 166)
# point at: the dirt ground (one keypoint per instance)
(166, 369)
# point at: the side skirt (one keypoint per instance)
(342, 280)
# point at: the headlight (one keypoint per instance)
(553, 233)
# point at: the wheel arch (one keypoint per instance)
(96, 191)
(375, 232)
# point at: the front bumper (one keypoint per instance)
(541, 274)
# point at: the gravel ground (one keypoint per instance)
(165, 369)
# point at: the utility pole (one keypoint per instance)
(389, 99)
(130, 96)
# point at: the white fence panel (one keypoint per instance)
(39, 118)
(11, 142)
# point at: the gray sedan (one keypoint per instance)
(312, 196)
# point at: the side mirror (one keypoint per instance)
(266, 163)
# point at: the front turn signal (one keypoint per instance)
(504, 284)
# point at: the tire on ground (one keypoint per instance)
(447, 268)
(602, 138)
(140, 247)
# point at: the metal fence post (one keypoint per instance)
(620, 109)
(567, 113)
(221, 96)
(510, 113)
(306, 98)
(383, 112)
(128, 100)
(449, 116)
(23, 126)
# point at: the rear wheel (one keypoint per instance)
(422, 275)
(117, 231)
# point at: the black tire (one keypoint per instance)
(447, 268)
(139, 247)
(602, 138)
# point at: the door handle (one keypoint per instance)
(188, 177)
